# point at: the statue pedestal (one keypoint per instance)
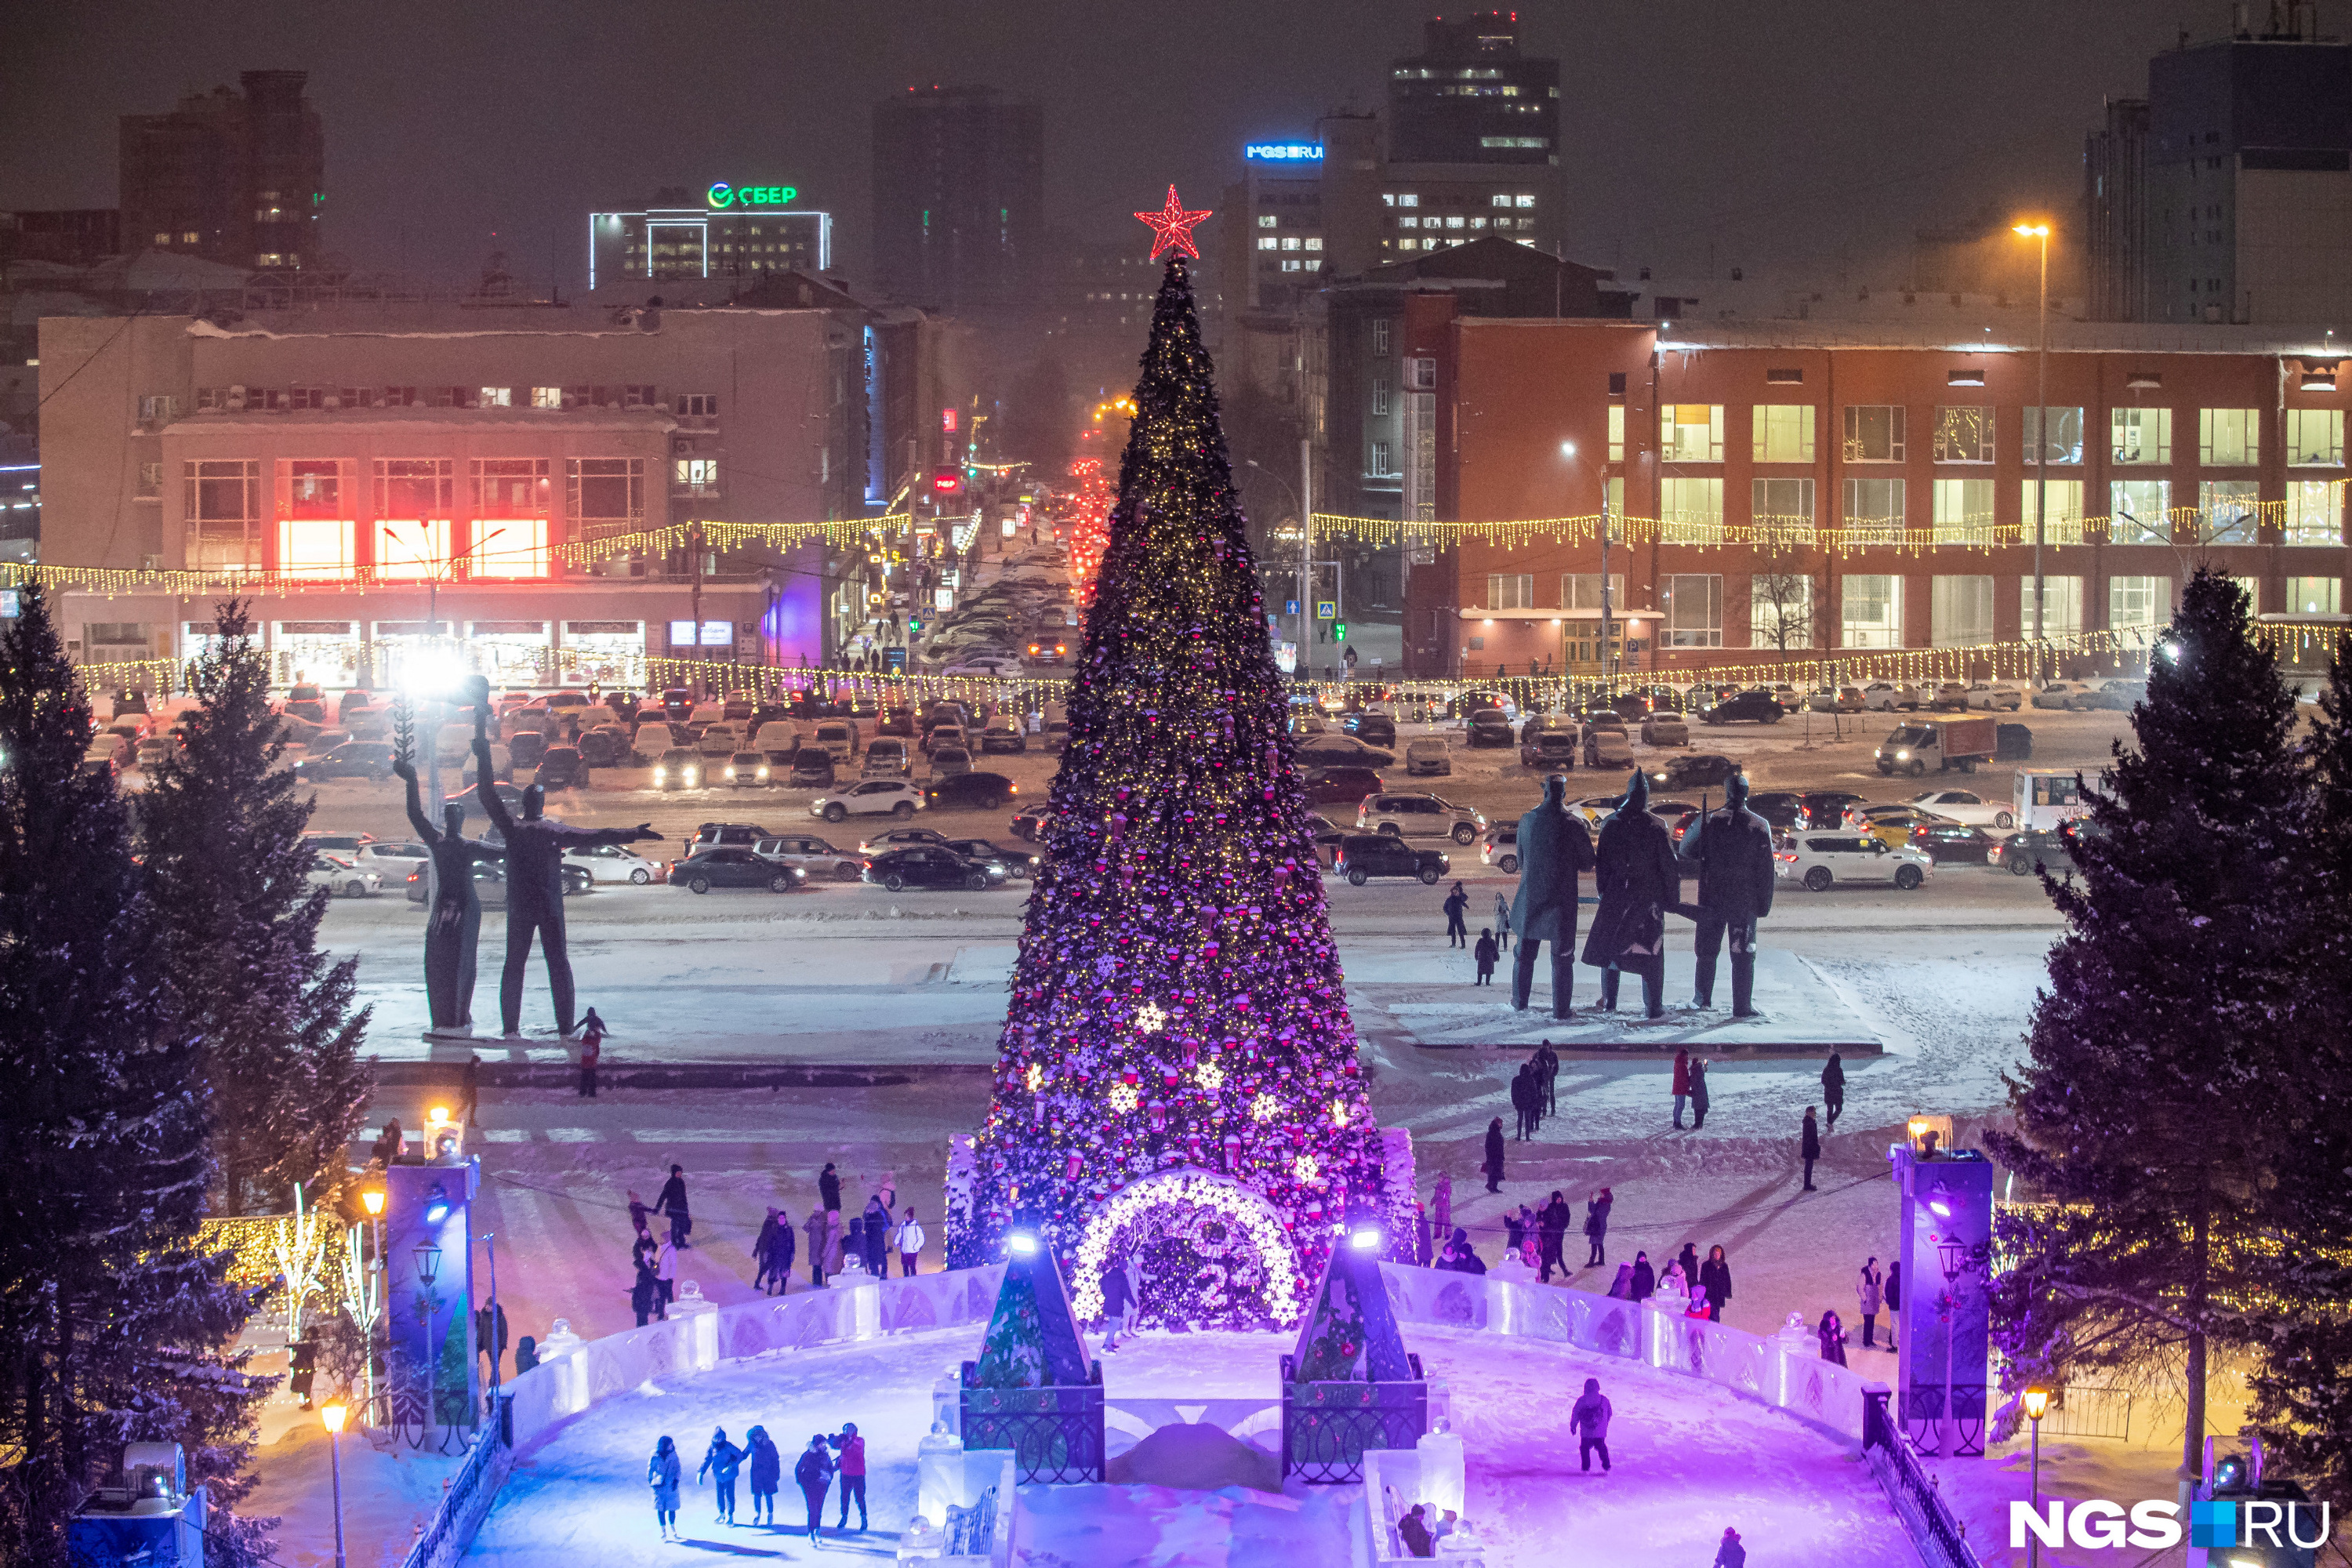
(462, 1035)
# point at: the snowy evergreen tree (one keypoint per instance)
(1177, 1004)
(112, 1325)
(285, 1082)
(2161, 1104)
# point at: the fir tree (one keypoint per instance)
(111, 1321)
(2160, 1103)
(1177, 1000)
(224, 833)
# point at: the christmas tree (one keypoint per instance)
(2165, 1097)
(113, 1324)
(1177, 1008)
(285, 1084)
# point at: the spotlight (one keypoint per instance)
(1368, 1239)
(1022, 1243)
(436, 1205)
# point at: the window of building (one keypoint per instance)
(2229, 511)
(1267, 220)
(510, 547)
(1408, 222)
(1960, 611)
(1376, 458)
(1456, 220)
(1874, 433)
(1268, 242)
(2228, 437)
(2315, 595)
(1510, 590)
(2062, 510)
(1963, 511)
(697, 474)
(1581, 590)
(1781, 609)
(512, 487)
(496, 398)
(1477, 223)
(1694, 605)
(2061, 606)
(2139, 434)
(2138, 604)
(1875, 504)
(222, 502)
(1407, 199)
(605, 495)
(1380, 335)
(1314, 242)
(317, 548)
(1691, 507)
(1691, 432)
(1380, 394)
(414, 487)
(1782, 504)
(311, 488)
(399, 397)
(1870, 611)
(1289, 242)
(114, 634)
(1783, 432)
(1523, 201)
(158, 408)
(2314, 512)
(411, 549)
(1964, 434)
(2315, 438)
(151, 478)
(698, 405)
(637, 396)
(1502, 201)
(2139, 511)
(547, 397)
(1616, 432)
(1290, 266)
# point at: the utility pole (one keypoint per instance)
(2040, 231)
(1306, 554)
(1608, 603)
(694, 543)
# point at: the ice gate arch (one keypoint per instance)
(1242, 1261)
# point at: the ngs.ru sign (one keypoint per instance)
(2154, 1524)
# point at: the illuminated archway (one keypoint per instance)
(1216, 1251)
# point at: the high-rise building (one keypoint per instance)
(725, 230)
(959, 199)
(234, 177)
(2115, 202)
(1472, 140)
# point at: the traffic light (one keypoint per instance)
(1339, 631)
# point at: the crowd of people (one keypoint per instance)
(859, 1243)
(760, 1465)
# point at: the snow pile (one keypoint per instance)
(1195, 1457)
(388, 1496)
(1116, 1526)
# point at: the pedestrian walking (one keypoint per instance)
(1622, 1288)
(1457, 903)
(640, 1217)
(666, 1271)
(1495, 1155)
(1833, 1337)
(1596, 1225)
(829, 1187)
(1682, 1084)
(1869, 1292)
(1522, 1105)
(1502, 923)
(761, 1246)
(1833, 1088)
(876, 1238)
(1548, 1066)
(910, 1245)
(1441, 1203)
(1589, 1420)
(853, 1474)
(1730, 1554)
(813, 1471)
(644, 1295)
(1698, 1095)
(1809, 1145)
(1554, 1231)
(1119, 1302)
(1484, 955)
(817, 1227)
(1714, 1278)
(662, 1474)
(1421, 1241)
(780, 1254)
(490, 1335)
(592, 1052)
(765, 1471)
(1894, 1299)
(1644, 1281)
(672, 1201)
(721, 1462)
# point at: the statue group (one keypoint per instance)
(1637, 872)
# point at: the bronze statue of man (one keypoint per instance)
(1637, 880)
(1733, 849)
(453, 922)
(1554, 846)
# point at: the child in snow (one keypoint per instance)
(661, 1474)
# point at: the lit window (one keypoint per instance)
(1964, 434)
(1454, 220)
(1694, 606)
(1962, 510)
(316, 547)
(1616, 432)
(2140, 435)
(2138, 604)
(1269, 221)
(1406, 200)
(1408, 222)
(2315, 595)
(1477, 223)
(2061, 501)
(1692, 507)
(547, 397)
(1959, 608)
(1289, 243)
(1691, 432)
(1875, 434)
(1523, 201)
(2141, 511)
(2314, 512)
(2228, 437)
(1269, 243)
(2315, 438)
(190, 237)
(1870, 610)
(1510, 590)
(497, 397)
(1502, 201)
(2065, 435)
(1288, 266)
(1783, 432)
(510, 547)
(2062, 605)
(1314, 242)
(412, 550)
(2230, 509)
(697, 473)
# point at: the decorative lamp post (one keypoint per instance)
(1953, 1257)
(428, 1269)
(372, 1200)
(2037, 1405)
(332, 1416)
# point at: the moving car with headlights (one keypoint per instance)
(869, 797)
(370, 760)
(818, 857)
(678, 768)
(343, 876)
(733, 866)
(1960, 805)
(1364, 856)
(1018, 864)
(969, 791)
(931, 866)
(1941, 743)
(1756, 707)
(1419, 817)
(748, 769)
(1820, 861)
(1694, 769)
(2030, 849)
(1500, 847)
(1892, 823)
(1948, 843)
(1780, 807)
(1042, 651)
(614, 863)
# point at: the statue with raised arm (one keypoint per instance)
(453, 922)
(534, 851)
(1554, 847)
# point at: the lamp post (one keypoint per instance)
(1953, 1257)
(1608, 605)
(1307, 555)
(333, 1417)
(2039, 232)
(2037, 1405)
(372, 1201)
(428, 1269)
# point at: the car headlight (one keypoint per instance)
(730, 772)
(660, 773)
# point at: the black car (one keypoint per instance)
(1746, 708)
(525, 747)
(605, 746)
(993, 740)
(1826, 807)
(1544, 745)
(1340, 786)
(1488, 727)
(812, 768)
(2031, 848)
(1372, 729)
(1780, 807)
(676, 703)
(966, 792)
(733, 866)
(1328, 837)
(1341, 751)
(1953, 843)
(927, 865)
(352, 760)
(1016, 862)
(1364, 856)
(1030, 825)
(561, 767)
(741, 835)
(1694, 769)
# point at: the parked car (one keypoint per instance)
(1664, 728)
(1056, 736)
(840, 737)
(900, 721)
(1953, 843)
(2034, 848)
(1003, 733)
(107, 746)
(605, 746)
(869, 797)
(1886, 696)
(1500, 847)
(525, 747)
(154, 750)
(343, 877)
(1780, 807)
(985, 665)
(1949, 696)
(1340, 785)
(968, 790)
(1745, 708)
(2121, 696)
(1961, 806)
(947, 761)
(812, 768)
(1892, 823)
(678, 768)
(886, 758)
(1430, 757)
(1995, 696)
(930, 866)
(1372, 729)
(1836, 699)
(1821, 861)
(370, 760)
(1420, 815)
(719, 741)
(816, 857)
(1017, 863)
(562, 767)
(614, 863)
(470, 802)
(1489, 727)
(1786, 696)
(2067, 696)
(1364, 856)
(748, 769)
(733, 866)
(939, 736)
(1549, 743)
(1342, 750)
(1607, 747)
(1694, 769)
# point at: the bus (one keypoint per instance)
(2048, 796)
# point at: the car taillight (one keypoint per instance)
(1786, 858)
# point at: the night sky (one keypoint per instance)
(1766, 133)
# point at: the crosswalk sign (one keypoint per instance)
(1325, 610)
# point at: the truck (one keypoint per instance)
(1942, 744)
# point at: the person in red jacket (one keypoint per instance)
(853, 1473)
(1682, 1084)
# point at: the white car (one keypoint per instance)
(1997, 695)
(818, 857)
(869, 797)
(1823, 860)
(1886, 696)
(1960, 805)
(343, 874)
(985, 665)
(614, 863)
(2069, 696)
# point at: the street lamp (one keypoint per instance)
(2037, 1405)
(333, 1417)
(1608, 606)
(2039, 232)
(372, 1200)
(1300, 497)
(1952, 1256)
(428, 1269)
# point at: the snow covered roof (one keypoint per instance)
(237, 421)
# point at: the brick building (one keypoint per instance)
(1843, 490)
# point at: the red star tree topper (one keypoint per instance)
(1171, 227)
